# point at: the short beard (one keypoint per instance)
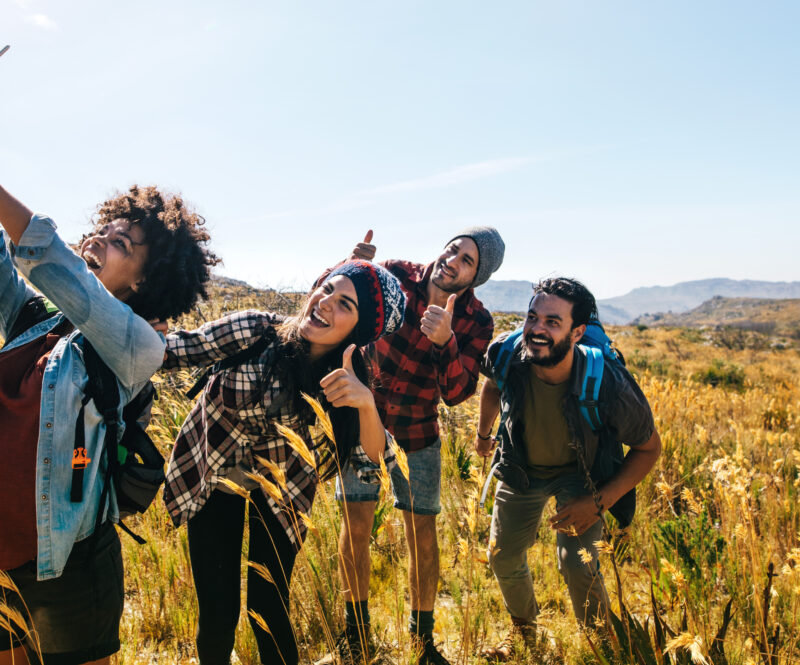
(451, 288)
(558, 352)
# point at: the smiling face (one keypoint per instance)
(330, 315)
(548, 332)
(116, 253)
(456, 268)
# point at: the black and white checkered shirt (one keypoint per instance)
(233, 421)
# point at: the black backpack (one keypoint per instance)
(134, 463)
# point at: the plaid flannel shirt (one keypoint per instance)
(232, 422)
(412, 373)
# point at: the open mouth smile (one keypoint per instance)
(318, 320)
(446, 271)
(538, 341)
(92, 260)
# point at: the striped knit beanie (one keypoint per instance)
(381, 301)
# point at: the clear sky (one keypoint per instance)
(625, 143)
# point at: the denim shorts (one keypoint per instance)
(77, 614)
(425, 475)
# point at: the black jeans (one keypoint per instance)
(215, 549)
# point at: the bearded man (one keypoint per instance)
(549, 450)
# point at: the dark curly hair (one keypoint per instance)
(584, 306)
(178, 264)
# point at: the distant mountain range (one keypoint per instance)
(766, 315)
(514, 295)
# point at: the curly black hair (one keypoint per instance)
(584, 306)
(178, 264)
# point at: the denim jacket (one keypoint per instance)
(126, 343)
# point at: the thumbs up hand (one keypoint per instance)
(364, 250)
(342, 387)
(437, 323)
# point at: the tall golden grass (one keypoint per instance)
(718, 522)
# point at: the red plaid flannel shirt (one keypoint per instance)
(412, 373)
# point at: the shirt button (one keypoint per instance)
(49, 425)
(44, 497)
(51, 386)
(46, 460)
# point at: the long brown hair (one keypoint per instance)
(293, 368)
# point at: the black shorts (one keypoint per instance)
(76, 615)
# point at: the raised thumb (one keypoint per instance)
(347, 358)
(451, 304)
(368, 237)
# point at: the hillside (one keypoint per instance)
(686, 295)
(769, 316)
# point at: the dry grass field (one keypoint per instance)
(715, 542)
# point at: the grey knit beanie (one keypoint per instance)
(491, 249)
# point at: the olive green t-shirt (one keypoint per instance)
(547, 435)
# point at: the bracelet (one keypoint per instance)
(483, 438)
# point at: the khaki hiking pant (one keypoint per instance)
(515, 523)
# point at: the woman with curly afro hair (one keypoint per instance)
(145, 258)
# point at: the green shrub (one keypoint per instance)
(722, 374)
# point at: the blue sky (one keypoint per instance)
(625, 143)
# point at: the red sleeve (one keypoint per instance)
(460, 359)
(325, 274)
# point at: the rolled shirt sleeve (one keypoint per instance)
(369, 471)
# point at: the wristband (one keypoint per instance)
(483, 438)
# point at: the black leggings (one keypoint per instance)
(215, 548)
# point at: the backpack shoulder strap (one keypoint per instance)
(590, 387)
(33, 311)
(102, 388)
(252, 351)
(503, 361)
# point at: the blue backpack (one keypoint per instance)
(595, 345)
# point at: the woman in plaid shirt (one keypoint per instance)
(230, 443)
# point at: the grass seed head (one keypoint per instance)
(260, 621)
(262, 571)
(234, 487)
(297, 444)
(402, 459)
(274, 469)
(270, 488)
(691, 643)
(323, 418)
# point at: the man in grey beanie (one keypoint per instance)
(435, 355)
(491, 250)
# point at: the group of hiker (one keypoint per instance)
(378, 345)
